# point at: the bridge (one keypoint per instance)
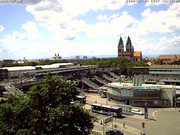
(86, 76)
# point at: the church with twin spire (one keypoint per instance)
(127, 51)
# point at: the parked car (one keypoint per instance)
(114, 132)
(136, 111)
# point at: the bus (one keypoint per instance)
(115, 111)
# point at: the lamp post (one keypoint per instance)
(175, 95)
(146, 110)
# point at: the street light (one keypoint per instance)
(146, 110)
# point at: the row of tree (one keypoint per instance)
(124, 64)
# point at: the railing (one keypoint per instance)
(100, 80)
(89, 83)
(114, 75)
(108, 78)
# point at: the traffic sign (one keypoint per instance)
(108, 119)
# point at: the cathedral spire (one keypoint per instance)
(120, 42)
(128, 43)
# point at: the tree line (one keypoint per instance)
(125, 65)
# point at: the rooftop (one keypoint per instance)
(149, 86)
(137, 54)
(171, 57)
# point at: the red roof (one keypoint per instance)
(137, 54)
(170, 57)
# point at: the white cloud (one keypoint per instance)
(60, 16)
(163, 45)
(31, 29)
(123, 24)
(15, 43)
(16, 36)
(101, 17)
(100, 29)
(113, 25)
(146, 12)
(43, 49)
(1, 28)
(5, 53)
(63, 22)
(65, 25)
(30, 32)
(89, 49)
(164, 21)
(68, 30)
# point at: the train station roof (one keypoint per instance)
(149, 86)
(22, 68)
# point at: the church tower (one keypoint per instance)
(121, 48)
(129, 48)
(128, 51)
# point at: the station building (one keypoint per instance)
(154, 95)
(169, 75)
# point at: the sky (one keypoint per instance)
(37, 29)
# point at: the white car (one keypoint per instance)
(136, 111)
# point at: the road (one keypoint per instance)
(161, 121)
(167, 122)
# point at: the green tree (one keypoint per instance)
(46, 110)
(175, 62)
(124, 64)
(158, 62)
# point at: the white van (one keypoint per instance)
(136, 111)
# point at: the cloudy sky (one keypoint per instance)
(39, 28)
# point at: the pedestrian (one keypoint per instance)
(123, 124)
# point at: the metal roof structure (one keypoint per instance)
(26, 68)
(22, 68)
(144, 86)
